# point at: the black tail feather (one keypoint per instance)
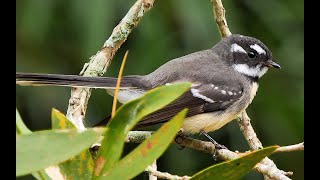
(38, 79)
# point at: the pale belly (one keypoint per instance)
(207, 122)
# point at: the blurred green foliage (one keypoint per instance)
(60, 36)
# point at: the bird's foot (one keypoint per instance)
(217, 146)
(176, 139)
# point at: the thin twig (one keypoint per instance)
(137, 136)
(153, 168)
(98, 63)
(164, 175)
(255, 144)
(220, 18)
(291, 148)
(205, 146)
(248, 132)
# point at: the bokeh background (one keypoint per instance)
(60, 36)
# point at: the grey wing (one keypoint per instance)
(199, 99)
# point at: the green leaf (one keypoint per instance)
(236, 168)
(80, 166)
(149, 150)
(60, 121)
(41, 149)
(125, 119)
(21, 128)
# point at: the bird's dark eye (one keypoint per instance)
(252, 54)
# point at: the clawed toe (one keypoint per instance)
(217, 146)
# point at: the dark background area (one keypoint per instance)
(60, 36)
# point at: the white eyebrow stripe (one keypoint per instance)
(236, 48)
(258, 48)
(195, 93)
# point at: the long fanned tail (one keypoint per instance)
(39, 79)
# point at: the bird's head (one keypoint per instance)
(248, 55)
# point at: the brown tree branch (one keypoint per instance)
(99, 63)
(270, 171)
(152, 169)
(220, 18)
(205, 146)
(248, 132)
(164, 175)
(291, 148)
(255, 144)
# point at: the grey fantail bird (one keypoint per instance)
(224, 82)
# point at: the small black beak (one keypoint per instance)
(270, 63)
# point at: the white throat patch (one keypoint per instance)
(236, 48)
(250, 71)
(258, 48)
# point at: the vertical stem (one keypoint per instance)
(220, 18)
(114, 105)
(248, 132)
(154, 167)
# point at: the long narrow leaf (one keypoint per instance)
(236, 168)
(41, 149)
(125, 119)
(80, 166)
(60, 121)
(21, 128)
(149, 150)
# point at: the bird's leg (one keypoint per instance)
(176, 139)
(217, 146)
